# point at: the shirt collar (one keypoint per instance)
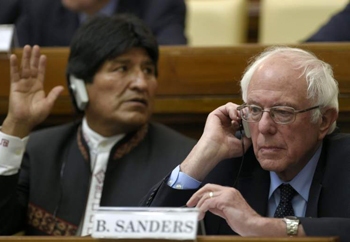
(96, 141)
(302, 181)
(107, 10)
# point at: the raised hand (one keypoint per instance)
(28, 103)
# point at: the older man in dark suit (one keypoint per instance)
(293, 178)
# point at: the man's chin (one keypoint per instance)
(135, 121)
(271, 164)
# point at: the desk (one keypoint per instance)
(199, 239)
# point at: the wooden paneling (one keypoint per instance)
(192, 82)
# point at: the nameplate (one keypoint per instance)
(6, 38)
(154, 223)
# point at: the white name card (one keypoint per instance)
(154, 223)
(6, 36)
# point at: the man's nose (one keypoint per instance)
(266, 124)
(139, 81)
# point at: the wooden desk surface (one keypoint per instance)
(199, 239)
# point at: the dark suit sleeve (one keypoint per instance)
(167, 20)
(337, 29)
(17, 12)
(14, 199)
(161, 195)
(12, 210)
(9, 11)
(327, 227)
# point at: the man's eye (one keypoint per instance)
(148, 70)
(120, 69)
(255, 110)
(282, 112)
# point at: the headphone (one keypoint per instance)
(77, 90)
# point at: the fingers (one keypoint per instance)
(53, 95)
(211, 205)
(34, 61)
(42, 68)
(14, 70)
(25, 63)
(34, 58)
(232, 111)
(206, 199)
(212, 191)
(45, 105)
(210, 195)
(229, 115)
(202, 194)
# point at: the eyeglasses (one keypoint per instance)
(279, 114)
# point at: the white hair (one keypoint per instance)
(322, 87)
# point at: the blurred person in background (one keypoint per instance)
(337, 29)
(53, 22)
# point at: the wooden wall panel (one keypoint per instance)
(192, 82)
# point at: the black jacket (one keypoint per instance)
(328, 208)
(49, 194)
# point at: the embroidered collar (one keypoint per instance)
(123, 147)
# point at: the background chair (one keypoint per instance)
(293, 21)
(216, 22)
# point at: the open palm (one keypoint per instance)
(28, 104)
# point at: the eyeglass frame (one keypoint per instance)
(240, 108)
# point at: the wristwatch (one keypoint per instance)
(292, 224)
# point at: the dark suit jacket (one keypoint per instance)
(49, 194)
(328, 209)
(337, 29)
(48, 23)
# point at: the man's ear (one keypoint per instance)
(329, 116)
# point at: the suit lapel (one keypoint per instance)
(316, 186)
(255, 190)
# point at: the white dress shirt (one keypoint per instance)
(11, 153)
(100, 148)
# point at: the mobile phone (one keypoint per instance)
(79, 92)
(246, 128)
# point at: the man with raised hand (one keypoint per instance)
(110, 158)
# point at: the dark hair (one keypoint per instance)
(105, 38)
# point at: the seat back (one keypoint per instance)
(216, 22)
